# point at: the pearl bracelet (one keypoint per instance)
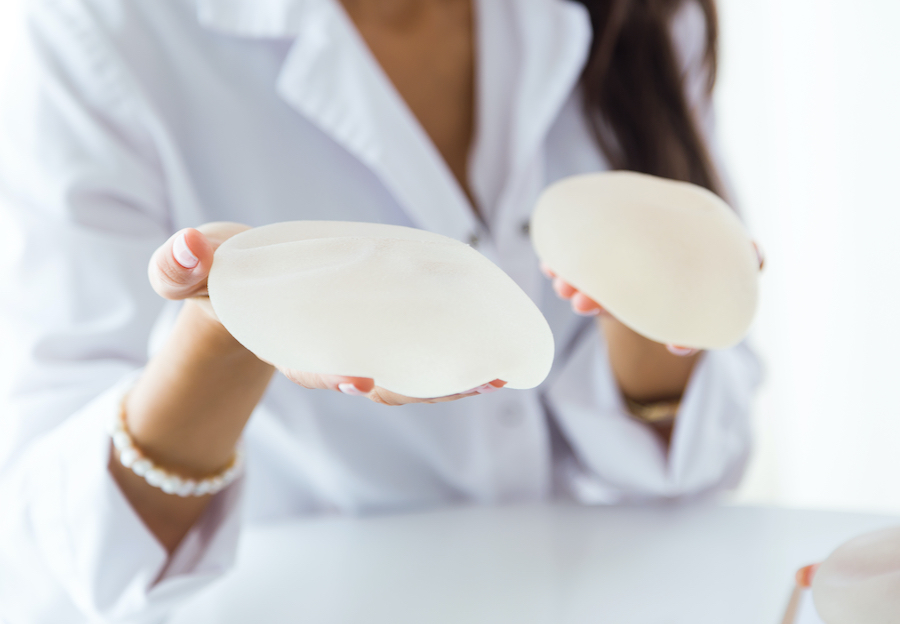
(168, 482)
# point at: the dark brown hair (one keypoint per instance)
(633, 90)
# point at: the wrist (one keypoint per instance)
(205, 327)
(188, 409)
(646, 372)
(654, 412)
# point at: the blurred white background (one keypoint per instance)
(8, 10)
(809, 99)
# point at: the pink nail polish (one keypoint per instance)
(183, 254)
(349, 388)
(805, 575)
(485, 389)
(681, 351)
(558, 288)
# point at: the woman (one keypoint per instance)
(131, 122)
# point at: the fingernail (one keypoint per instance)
(680, 351)
(349, 388)
(182, 253)
(485, 389)
(561, 290)
(805, 575)
(594, 312)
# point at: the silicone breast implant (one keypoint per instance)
(422, 314)
(859, 583)
(669, 259)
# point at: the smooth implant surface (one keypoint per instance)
(422, 314)
(535, 564)
(669, 259)
(859, 583)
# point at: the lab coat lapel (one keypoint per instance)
(556, 37)
(532, 55)
(332, 79)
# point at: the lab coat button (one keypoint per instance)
(473, 240)
(526, 228)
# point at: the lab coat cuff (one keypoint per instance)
(712, 435)
(93, 540)
(619, 459)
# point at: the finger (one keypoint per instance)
(179, 268)
(805, 575)
(365, 386)
(681, 351)
(563, 289)
(386, 397)
(546, 270)
(354, 386)
(759, 255)
(585, 306)
(487, 388)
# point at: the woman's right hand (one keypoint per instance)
(179, 270)
(180, 267)
(188, 409)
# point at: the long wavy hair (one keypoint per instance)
(633, 91)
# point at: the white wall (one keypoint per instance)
(809, 96)
(8, 12)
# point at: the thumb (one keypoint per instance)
(805, 575)
(179, 268)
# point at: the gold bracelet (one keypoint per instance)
(655, 413)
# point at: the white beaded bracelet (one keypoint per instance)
(168, 482)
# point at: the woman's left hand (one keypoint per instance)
(365, 387)
(585, 306)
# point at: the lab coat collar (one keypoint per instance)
(554, 38)
(331, 78)
(255, 18)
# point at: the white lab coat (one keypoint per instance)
(130, 120)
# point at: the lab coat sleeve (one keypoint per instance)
(617, 459)
(83, 205)
(614, 457)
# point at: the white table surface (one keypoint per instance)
(540, 564)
